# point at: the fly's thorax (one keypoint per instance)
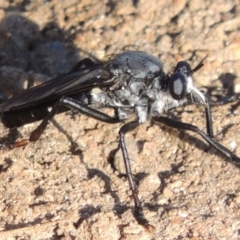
(100, 97)
(138, 65)
(137, 87)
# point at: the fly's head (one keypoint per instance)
(180, 83)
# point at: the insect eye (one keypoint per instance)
(178, 86)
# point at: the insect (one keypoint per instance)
(132, 82)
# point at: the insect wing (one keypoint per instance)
(69, 83)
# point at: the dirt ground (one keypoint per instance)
(50, 191)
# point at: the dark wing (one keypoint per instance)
(64, 85)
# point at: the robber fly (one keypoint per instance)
(132, 82)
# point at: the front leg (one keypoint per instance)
(209, 123)
(185, 126)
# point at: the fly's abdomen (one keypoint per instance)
(19, 117)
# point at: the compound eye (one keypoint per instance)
(178, 86)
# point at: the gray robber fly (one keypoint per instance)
(132, 82)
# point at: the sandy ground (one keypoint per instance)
(50, 191)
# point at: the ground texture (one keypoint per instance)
(48, 190)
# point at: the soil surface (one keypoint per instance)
(62, 186)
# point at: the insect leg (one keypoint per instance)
(185, 126)
(138, 211)
(73, 104)
(209, 120)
